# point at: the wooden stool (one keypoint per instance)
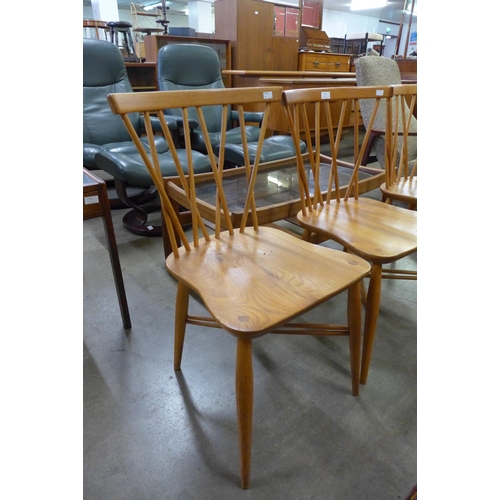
(126, 44)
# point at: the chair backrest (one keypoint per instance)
(373, 71)
(321, 112)
(191, 67)
(403, 104)
(154, 103)
(104, 72)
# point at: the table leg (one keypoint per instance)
(115, 259)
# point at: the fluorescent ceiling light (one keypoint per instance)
(367, 4)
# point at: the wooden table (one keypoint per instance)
(96, 204)
(277, 194)
(251, 77)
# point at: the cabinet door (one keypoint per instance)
(254, 49)
(285, 51)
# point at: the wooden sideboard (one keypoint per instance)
(324, 61)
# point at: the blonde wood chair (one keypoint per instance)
(378, 232)
(252, 279)
(401, 173)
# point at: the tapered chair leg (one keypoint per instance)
(371, 316)
(354, 321)
(244, 406)
(181, 310)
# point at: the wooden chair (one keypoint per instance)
(376, 231)
(252, 279)
(401, 174)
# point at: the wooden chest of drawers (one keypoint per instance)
(323, 61)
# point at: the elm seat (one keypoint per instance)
(195, 67)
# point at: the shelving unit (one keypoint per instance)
(337, 45)
(143, 23)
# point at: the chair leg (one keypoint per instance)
(354, 322)
(181, 310)
(306, 235)
(371, 316)
(244, 406)
(362, 289)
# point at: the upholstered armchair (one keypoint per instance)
(104, 72)
(193, 67)
(373, 71)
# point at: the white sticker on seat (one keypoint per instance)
(268, 95)
(325, 95)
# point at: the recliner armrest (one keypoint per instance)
(250, 117)
(155, 122)
(192, 123)
(178, 123)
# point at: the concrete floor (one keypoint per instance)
(152, 433)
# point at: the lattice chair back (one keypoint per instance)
(403, 106)
(155, 104)
(331, 113)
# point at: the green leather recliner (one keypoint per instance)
(192, 67)
(106, 143)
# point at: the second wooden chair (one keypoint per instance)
(376, 231)
(401, 172)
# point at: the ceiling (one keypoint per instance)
(392, 12)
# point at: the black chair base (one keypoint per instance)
(135, 221)
(137, 195)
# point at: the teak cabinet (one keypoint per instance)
(249, 24)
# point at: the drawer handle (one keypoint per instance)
(337, 64)
(316, 63)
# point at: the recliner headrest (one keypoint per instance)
(103, 63)
(203, 67)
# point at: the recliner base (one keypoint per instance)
(135, 221)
